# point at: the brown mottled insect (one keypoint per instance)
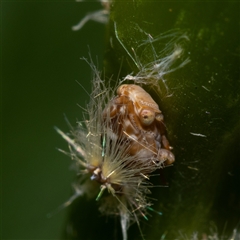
(140, 122)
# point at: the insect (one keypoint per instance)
(119, 146)
(140, 121)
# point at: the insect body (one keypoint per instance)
(140, 122)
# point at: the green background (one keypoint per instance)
(40, 66)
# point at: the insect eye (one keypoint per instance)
(147, 117)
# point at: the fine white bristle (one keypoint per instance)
(154, 65)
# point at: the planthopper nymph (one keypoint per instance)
(118, 145)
